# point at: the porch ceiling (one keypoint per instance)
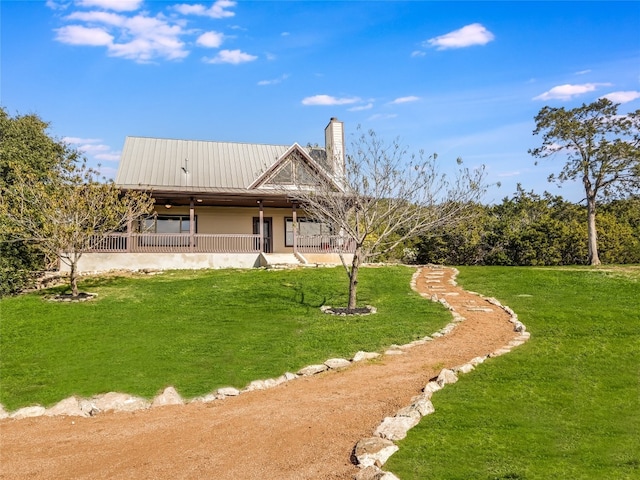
(210, 199)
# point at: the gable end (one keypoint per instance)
(294, 169)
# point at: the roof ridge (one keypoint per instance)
(210, 141)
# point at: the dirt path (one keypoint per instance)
(304, 429)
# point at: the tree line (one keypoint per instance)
(528, 229)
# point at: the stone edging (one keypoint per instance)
(122, 402)
(328, 309)
(372, 453)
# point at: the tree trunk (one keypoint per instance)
(73, 278)
(353, 278)
(591, 230)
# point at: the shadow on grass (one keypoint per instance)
(84, 285)
(301, 298)
(96, 282)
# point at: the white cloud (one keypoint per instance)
(54, 5)
(553, 148)
(583, 72)
(94, 148)
(140, 38)
(188, 9)
(234, 57)
(509, 174)
(107, 18)
(467, 36)
(275, 81)
(143, 37)
(568, 91)
(210, 39)
(152, 37)
(328, 100)
(78, 140)
(109, 157)
(117, 5)
(382, 116)
(418, 53)
(217, 10)
(409, 99)
(622, 97)
(360, 108)
(107, 172)
(79, 35)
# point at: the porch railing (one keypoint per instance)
(175, 243)
(211, 243)
(324, 244)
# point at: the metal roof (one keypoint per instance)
(193, 166)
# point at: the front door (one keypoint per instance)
(267, 246)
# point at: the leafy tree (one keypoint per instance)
(619, 231)
(531, 229)
(602, 150)
(525, 229)
(537, 230)
(25, 146)
(21, 263)
(461, 244)
(390, 196)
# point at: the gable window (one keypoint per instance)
(167, 224)
(295, 171)
(306, 227)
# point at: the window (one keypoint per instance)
(306, 226)
(295, 171)
(167, 224)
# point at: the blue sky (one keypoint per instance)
(463, 79)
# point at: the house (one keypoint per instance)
(221, 205)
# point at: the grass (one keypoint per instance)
(197, 331)
(564, 405)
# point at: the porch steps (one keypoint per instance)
(279, 260)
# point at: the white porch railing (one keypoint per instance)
(324, 244)
(175, 243)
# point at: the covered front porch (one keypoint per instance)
(218, 232)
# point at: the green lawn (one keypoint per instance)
(197, 331)
(566, 405)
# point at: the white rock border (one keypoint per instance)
(396, 427)
(328, 309)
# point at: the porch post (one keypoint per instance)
(295, 229)
(261, 226)
(128, 238)
(192, 226)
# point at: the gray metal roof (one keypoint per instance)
(192, 166)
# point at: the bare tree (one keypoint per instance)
(64, 215)
(388, 196)
(602, 150)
